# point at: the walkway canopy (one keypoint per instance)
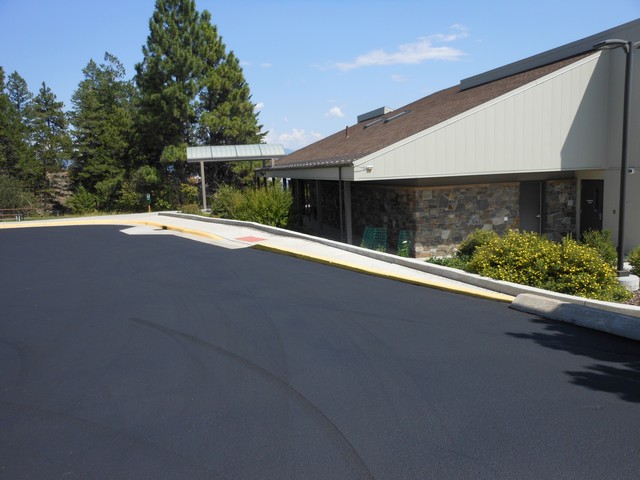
(231, 153)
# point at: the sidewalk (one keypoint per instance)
(622, 320)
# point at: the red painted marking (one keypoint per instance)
(250, 239)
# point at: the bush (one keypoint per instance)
(188, 194)
(129, 199)
(227, 202)
(634, 260)
(531, 259)
(13, 194)
(474, 240)
(268, 206)
(82, 201)
(453, 262)
(466, 250)
(191, 209)
(602, 243)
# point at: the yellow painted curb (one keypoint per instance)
(189, 231)
(500, 297)
(80, 222)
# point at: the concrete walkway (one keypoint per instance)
(622, 320)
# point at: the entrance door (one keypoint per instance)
(531, 201)
(590, 205)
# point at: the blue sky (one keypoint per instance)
(313, 66)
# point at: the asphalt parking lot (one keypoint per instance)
(158, 357)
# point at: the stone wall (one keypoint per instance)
(330, 203)
(441, 217)
(446, 215)
(560, 208)
(380, 206)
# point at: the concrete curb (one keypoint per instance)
(584, 316)
(507, 288)
(380, 273)
(618, 319)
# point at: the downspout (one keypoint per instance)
(203, 184)
(340, 204)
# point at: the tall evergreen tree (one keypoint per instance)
(102, 118)
(227, 115)
(14, 148)
(191, 91)
(19, 95)
(168, 77)
(49, 140)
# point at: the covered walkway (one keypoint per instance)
(231, 153)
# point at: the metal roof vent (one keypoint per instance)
(378, 112)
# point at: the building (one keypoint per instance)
(533, 145)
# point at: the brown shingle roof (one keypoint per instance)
(367, 137)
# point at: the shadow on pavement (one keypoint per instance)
(617, 370)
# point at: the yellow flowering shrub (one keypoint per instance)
(531, 259)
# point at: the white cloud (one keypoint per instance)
(459, 31)
(266, 65)
(334, 112)
(399, 78)
(259, 106)
(425, 48)
(293, 140)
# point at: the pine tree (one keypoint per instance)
(168, 77)
(191, 91)
(19, 95)
(102, 118)
(14, 148)
(227, 114)
(49, 140)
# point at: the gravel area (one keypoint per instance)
(636, 298)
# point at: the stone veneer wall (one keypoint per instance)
(330, 203)
(381, 206)
(561, 197)
(441, 217)
(446, 215)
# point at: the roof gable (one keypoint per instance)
(358, 141)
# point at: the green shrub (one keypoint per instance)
(404, 249)
(13, 194)
(473, 241)
(227, 202)
(461, 263)
(129, 199)
(191, 209)
(602, 243)
(188, 193)
(530, 259)
(634, 260)
(466, 250)
(82, 201)
(268, 206)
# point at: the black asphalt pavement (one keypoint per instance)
(157, 357)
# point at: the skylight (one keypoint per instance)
(396, 116)
(374, 122)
